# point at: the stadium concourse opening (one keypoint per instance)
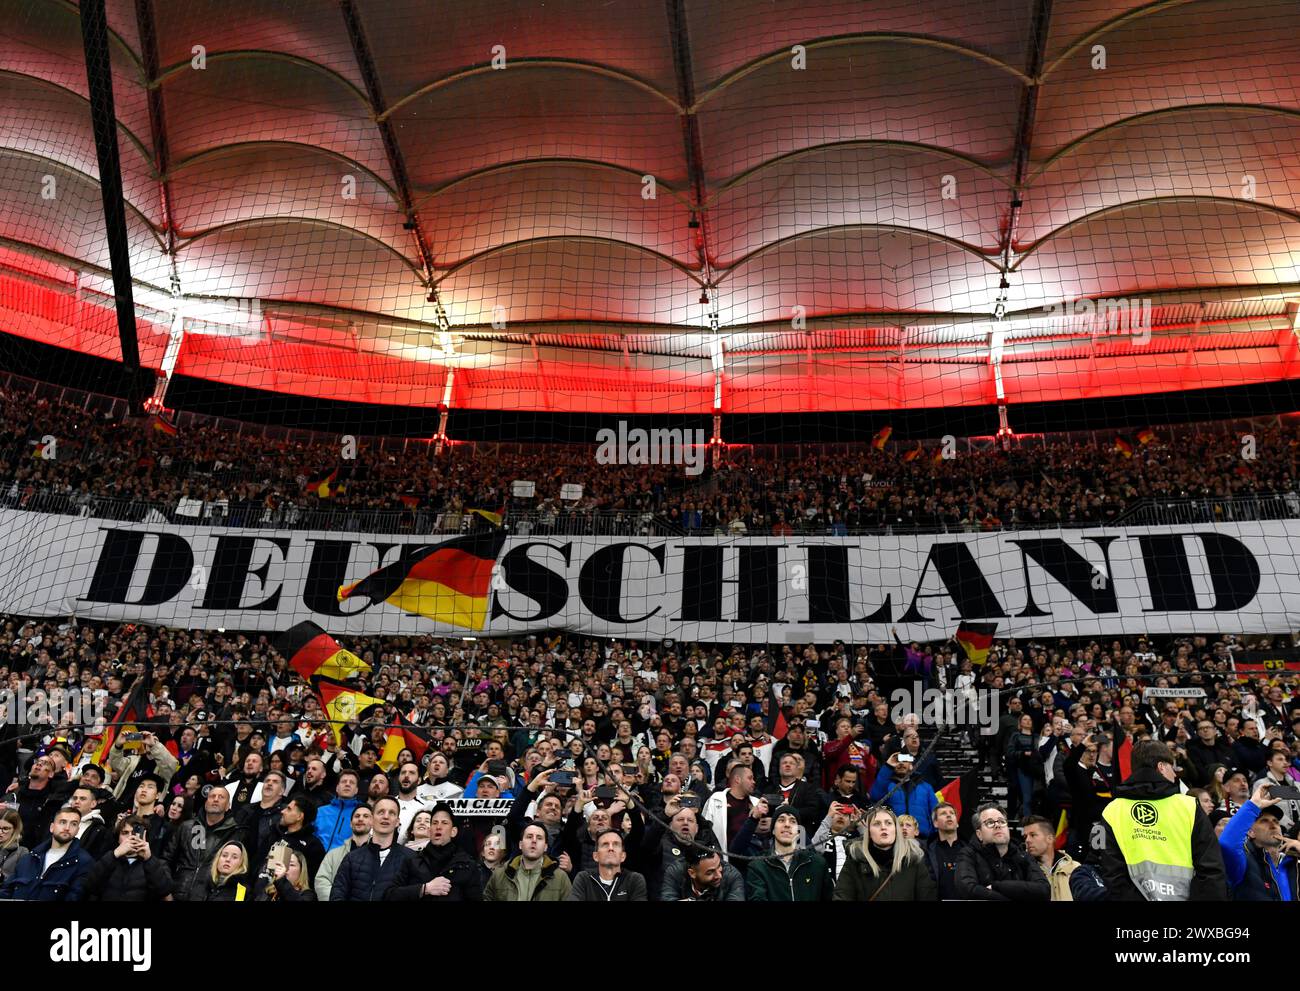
(667, 450)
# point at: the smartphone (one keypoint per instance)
(561, 778)
(1284, 792)
(496, 767)
(689, 801)
(774, 802)
(906, 759)
(630, 770)
(140, 830)
(606, 793)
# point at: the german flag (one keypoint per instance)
(1146, 436)
(325, 487)
(961, 794)
(164, 425)
(937, 456)
(342, 704)
(1124, 758)
(313, 653)
(882, 438)
(135, 708)
(492, 516)
(403, 733)
(1124, 446)
(1062, 831)
(913, 454)
(409, 501)
(447, 583)
(976, 639)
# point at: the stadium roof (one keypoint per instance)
(841, 187)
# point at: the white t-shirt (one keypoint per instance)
(52, 857)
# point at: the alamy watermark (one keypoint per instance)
(652, 447)
(951, 707)
(1105, 316)
(37, 707)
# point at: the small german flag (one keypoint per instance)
(1146, 436)
(447, 583)
(1062, 831)
(313, 653)
(976, 639)
(164, 425)
(913, 454)
(134, 709)
(1124, 446)
(403, 733)
(882, 438)
(961, 793)
(937, 456)
(409, 501)
(492, 516)
(325, 487)
(342, 704)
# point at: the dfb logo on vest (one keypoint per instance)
(1144, 814)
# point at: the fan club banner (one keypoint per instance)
(1242, 577)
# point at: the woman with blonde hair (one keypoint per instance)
(227, 876)
(286, 881)
(885, 865)
(11, 843)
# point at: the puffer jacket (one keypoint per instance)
(237, 888)
(117, 879)
(192, 847)
(334, 822)
(362, 878)
(553, 885)
(858, 883)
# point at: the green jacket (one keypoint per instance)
(808, 880)
(552, 886)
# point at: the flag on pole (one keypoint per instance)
(342, 704)
(402, 733)
(962, 794)
(134, 709)
(881, 438)
(314, 653)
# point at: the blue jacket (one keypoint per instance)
(471, 787)
(1252, 875)
(361, 878)
(61, 883)
(334, 822)
(912, 797)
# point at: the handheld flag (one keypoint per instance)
(325, 488)
(1146, 436)
(881, 438)
(913, 454)
(403, 733)
(447, 583)
(492, 517)
(134, 709)
(164, 425)
(937, 456)
(1124, 446)
(342, 704)
(975, 640)
(961, 794)
(1062, 832)
(314, 653)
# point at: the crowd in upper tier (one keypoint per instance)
(95, 464)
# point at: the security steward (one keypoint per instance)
(1160, 845)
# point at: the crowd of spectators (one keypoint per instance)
(125, 468)
(616, 771)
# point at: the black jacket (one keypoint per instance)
(284, 892)
(660, 849)
(304, 841)
(858, 883)
(205, 891)
(116, 879)
(192, 847)
(942, 860)
(361, 877)
(260, 829)
(1210, 883)
(629, 886)
(1015, 877)
(37, 808)
(448, 861)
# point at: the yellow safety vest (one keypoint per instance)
(1155, 840)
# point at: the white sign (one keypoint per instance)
(571, 491)
(523, 490)
(1100, 581)
(1173, 693)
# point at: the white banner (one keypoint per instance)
(1242, 577)
(1173, 693)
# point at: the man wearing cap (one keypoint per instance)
(1260, 861)
(1275, 773)
(1159, 844)
(790, 874)
(442, 870)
